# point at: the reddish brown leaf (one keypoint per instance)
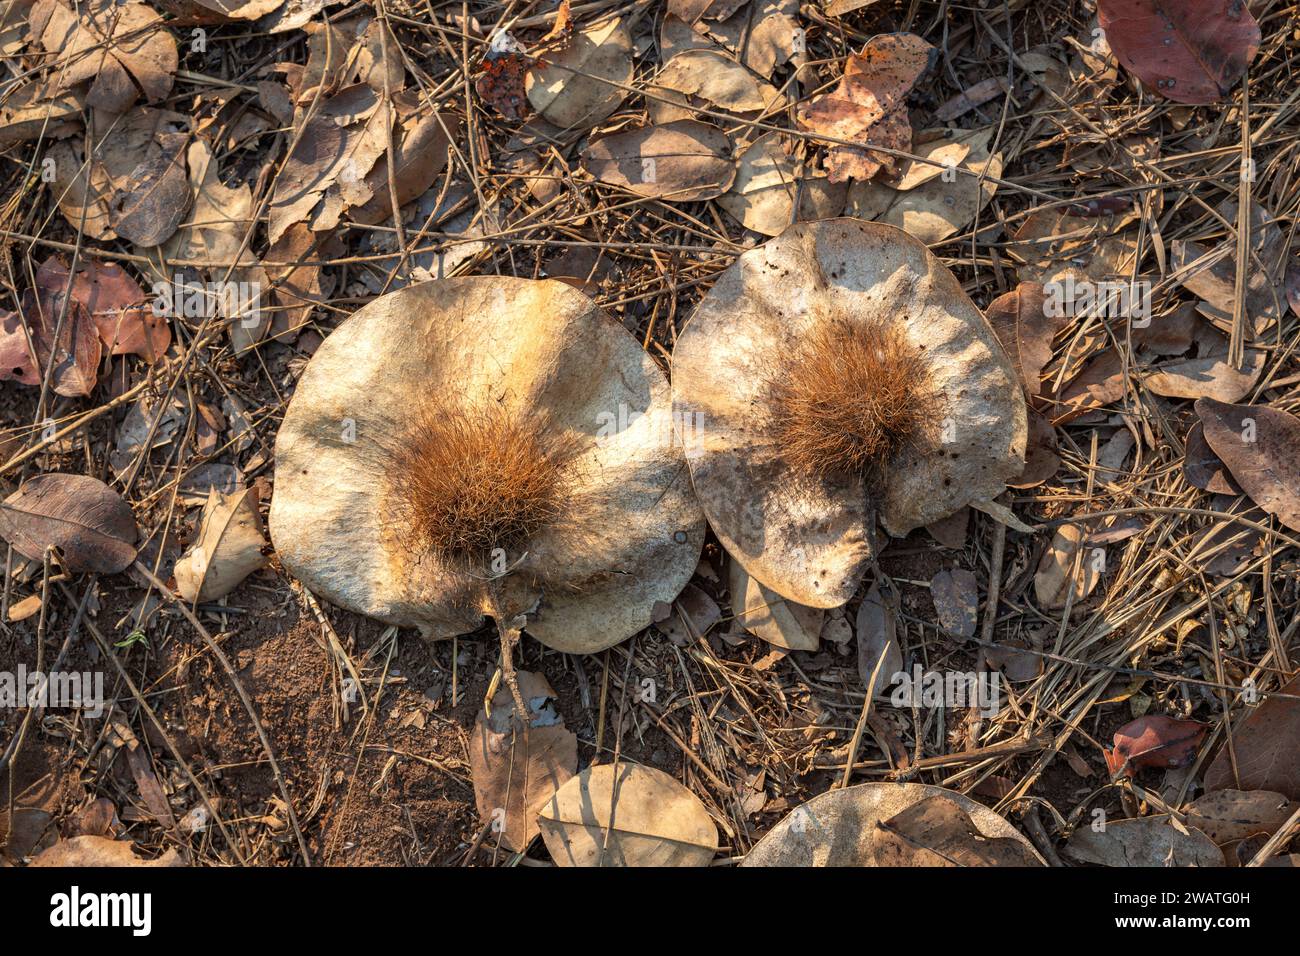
(1190, 51)
(16, 362)
(1026, 330)
(869, 106)
(1267, 749)
(1154, 741)
(76, 353)
(1261, 448)
(123, 317)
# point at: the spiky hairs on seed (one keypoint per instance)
(466, 482)
(848, 397)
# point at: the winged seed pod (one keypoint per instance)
(486, 446)
(834, 374)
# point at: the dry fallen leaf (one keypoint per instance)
(1146, 841)
(936, 831)
(121, 49)
(683, 161)
(1193, 51)
(877, 631)
(627, 815)
(1154, 741)
(869, 106)
(956, 598)
(122, 314)
(1227, 816)
(97, 851)
(767, 191)
(582, 83)
(1260, 446)
(839, 828)
(1052, 581)
(515, 775)
(90, 524)
(1266, 748)
(767, 615)
(713, 81)
(229, 547)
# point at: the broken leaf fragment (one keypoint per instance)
(582, 83)
(627, 814)
(545, 364)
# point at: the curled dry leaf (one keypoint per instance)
(804, 537)
(767, 190)
(1261, 448)
(515, 775)
(682, 161)
(869, 106)
(956, 596)
(410, 378)
(1227, 816)
(1146, 841)
(90, 524)
(1190, 51)
(1154, 741)
(627, 815)
(229, 547)
(767, 615)
(1052, 581)
(121, 49)
(937, 832)
(841, 827)
(1266, 748)
(124, 319)
(97, 851)
(582, 83)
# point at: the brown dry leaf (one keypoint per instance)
(951, 531)
(75, 356)
(90, 524)
(627, 815)
(762, 35)
(937, 832)
(1041, 459)
(17, 358)
(581, 84)
(1052, 580)
(514, 776)
(120, 49)
(328, 48)
(1026, 330)
(1147, 841)
(708, 80)
(956, 597)
(298, 289)
(1154, 741)
(35, 111)
(82, 190)
(938, 207)
(421, 150)
(877, 631)
(766, 190)
(97, 851)
(116, 304)
(382, 73)
(692, 11)
(1267, 749)
(228, 547)
(325, 175)
(1203, 468)
(1211, 273)
(1227, 816)
(1261, 448)
(1209, 374)
(148, 211)
(839, 828)
(683, 161)
(977, 94)
(869, 106)
(937, 146)
(767, 615)
(1054, 245)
